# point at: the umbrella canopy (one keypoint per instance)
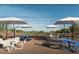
(12, 20)
(68, 20)
(23, 26)
(52, 26)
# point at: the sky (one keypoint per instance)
(39, 15)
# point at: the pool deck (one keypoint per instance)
(31, 47)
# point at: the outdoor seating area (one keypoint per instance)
(52, 40)
(39, 29)
(12, 43)
(70, 44)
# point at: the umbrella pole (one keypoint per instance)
(72, 32)
(6, 31)
(69, 34)
(64, 30)
(14, 30)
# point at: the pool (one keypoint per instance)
(71, 44)
(75, 43)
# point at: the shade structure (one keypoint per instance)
(68, 20)
(23, 26)
(52, 26)
(11, 20)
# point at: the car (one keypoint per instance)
(23, 37)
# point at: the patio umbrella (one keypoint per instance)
(68, 20)
(23, 26)
(52, 26)
(11, 20)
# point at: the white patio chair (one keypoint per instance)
(24, 41)
(16, 39)
(1, 40)
(8, 45)
(14, 42)
(51, 37)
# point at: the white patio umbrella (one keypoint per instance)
(23, 26)
(11, 20)
(52, 26)
(68, 20)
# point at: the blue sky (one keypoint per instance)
(39, 16)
